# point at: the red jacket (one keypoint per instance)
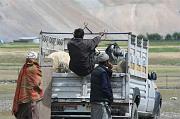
(28, 85)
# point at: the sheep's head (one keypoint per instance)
(115, 53)
(63, 68)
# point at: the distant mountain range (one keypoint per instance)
(26, 18)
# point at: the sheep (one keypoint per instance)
(120, 67)
(117, 57)
(60, 61)
(173, 98)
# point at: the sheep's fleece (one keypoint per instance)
(60, 61)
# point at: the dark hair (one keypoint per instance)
(78, 33)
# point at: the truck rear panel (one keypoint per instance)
(71, 94)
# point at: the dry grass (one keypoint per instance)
(165, 55)
(168, 104)
(7, 89)
(12, 57)
(165, 69)
(9, 74)
(6, 115)
(164, 58)
(168, 82)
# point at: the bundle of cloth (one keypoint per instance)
(60, 61)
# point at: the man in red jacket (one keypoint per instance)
(29, 89)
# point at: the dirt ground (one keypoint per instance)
(170, 107)
(164, 115)
(170, 115)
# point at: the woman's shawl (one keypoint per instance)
(28, 85)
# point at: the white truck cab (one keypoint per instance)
(135, 93)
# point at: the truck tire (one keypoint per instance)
(157, 114)
(134, 112)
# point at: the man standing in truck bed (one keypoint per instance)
(81, 52)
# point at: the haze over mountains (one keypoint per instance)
(19, 18)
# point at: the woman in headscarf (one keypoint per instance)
(29, 89)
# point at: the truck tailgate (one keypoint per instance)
(69, 87)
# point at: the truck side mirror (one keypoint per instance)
(152, 76)
(149, 76)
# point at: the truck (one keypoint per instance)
(135, 93)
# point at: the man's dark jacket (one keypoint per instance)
(81, 52)
(101, 90)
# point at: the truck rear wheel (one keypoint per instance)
(134, 112)
(157, 114)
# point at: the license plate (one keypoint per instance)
(70, 107)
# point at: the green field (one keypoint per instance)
(19, 45)
(164, 58)
(164, 43)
